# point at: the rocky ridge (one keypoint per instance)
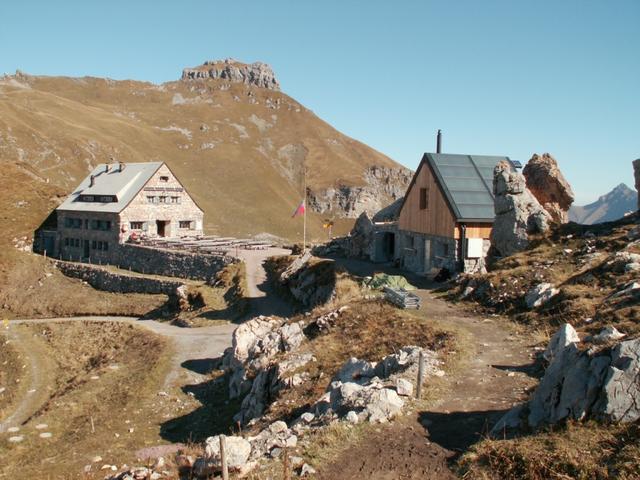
(384, 186)
(609, 207)
(257, 74)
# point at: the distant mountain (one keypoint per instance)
(608, 207)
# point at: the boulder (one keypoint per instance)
(518, 212)
(636, 175)
(354, 370)
(600, 383)
(404, 387)
(570, 386)
(620, 397)
(237, 451)
(565, 336)
(361, 237)
(546, 182)
(540, 294)
(383, 405)
(607, 334)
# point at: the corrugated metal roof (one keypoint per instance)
(124, 185)
(467, 182)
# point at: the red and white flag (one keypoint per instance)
(299, 210)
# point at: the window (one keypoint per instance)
(164, 178)
(175, 199)
(94, 244)
(107, 225)
(68, 222)
(424, 198)
(77, 242)
(151, 199)
(66, 241)
(107, 198)
(87, 198)
(185, 224)
(105, 246)
(99, 245)
(163, 199)
(136, 225)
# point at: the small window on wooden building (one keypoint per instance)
(424, 198)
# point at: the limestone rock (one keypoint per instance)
(518, 212)
(383, 187)
(257, 74)
(636, 175)
(548, 185)
(540, 294)
(404, 387)
(620, 398)
(607, 334)
(355, 370)
(565, 336)
(237, 451)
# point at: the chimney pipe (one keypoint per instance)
(107, 167)
(121, 167)
(439, 142)
(92, 180)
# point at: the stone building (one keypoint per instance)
(116, 202)
(446, 217)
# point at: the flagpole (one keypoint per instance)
(304, 222)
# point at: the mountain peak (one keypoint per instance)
(258, 74)
(610, 206)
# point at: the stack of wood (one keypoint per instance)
(402, 298)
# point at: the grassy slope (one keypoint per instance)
(247, 183)
(54, 129)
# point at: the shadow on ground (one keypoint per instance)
(457, 431)
(214, 416)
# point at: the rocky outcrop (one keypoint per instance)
(257, 74)
(361, 238)
(383, 186)
(373, 391)
(584, 380)
(518, 213)
(636, 176)
(548, 185)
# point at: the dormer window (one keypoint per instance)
(164, 178)
(98, 198)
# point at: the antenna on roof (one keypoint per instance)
(439, 142)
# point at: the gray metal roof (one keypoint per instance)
(467, 182)
(123, 184)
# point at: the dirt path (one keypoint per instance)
(194, 350)
(263, 301)
(36, 393)
(496, 371)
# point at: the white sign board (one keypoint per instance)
(474, 247)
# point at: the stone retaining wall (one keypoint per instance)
(171, 263)
(105, 280)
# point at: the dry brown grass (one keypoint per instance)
(11, 373)
(574, 451)
(92, 415)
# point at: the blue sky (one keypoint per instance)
(498, 77)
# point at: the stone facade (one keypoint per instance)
(161, 208)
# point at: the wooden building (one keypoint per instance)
(117, 201)
(447, 213)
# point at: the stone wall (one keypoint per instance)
(102, 279)
(171, 263)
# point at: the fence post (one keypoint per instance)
(420, 375)
(223, 457)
